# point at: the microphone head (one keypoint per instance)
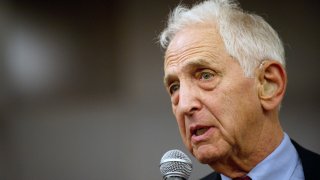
(175, 163)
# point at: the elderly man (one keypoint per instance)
(225, 74)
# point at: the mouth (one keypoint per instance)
(201, 133)
(198, 131)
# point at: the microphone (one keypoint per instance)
(175, 165)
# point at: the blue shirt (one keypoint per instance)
(283, 163)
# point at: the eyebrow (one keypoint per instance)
(189, 65)
(199, 63)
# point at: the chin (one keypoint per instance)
(206, 154)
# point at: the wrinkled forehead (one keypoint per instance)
(193, 38)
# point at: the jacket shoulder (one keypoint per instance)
(310, 162)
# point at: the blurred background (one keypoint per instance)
(81, 92)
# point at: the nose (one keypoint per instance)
(189, 99)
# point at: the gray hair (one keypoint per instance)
(247, 37)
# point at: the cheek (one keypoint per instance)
(180, 122)
(240, 109)
(230, 109)
(183, 133)
(219, 104)
(182, 129)
(224, 111)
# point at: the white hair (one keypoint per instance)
(247, 37)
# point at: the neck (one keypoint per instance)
(243, 159)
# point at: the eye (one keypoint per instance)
(174, 87)
(205, 75)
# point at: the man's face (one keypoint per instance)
(216, 107)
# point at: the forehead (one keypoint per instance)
(194, 34)
(199, 41)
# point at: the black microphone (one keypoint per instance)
(175, 165)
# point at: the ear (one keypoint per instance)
(272, 84)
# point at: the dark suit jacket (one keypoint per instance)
(310, 163)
